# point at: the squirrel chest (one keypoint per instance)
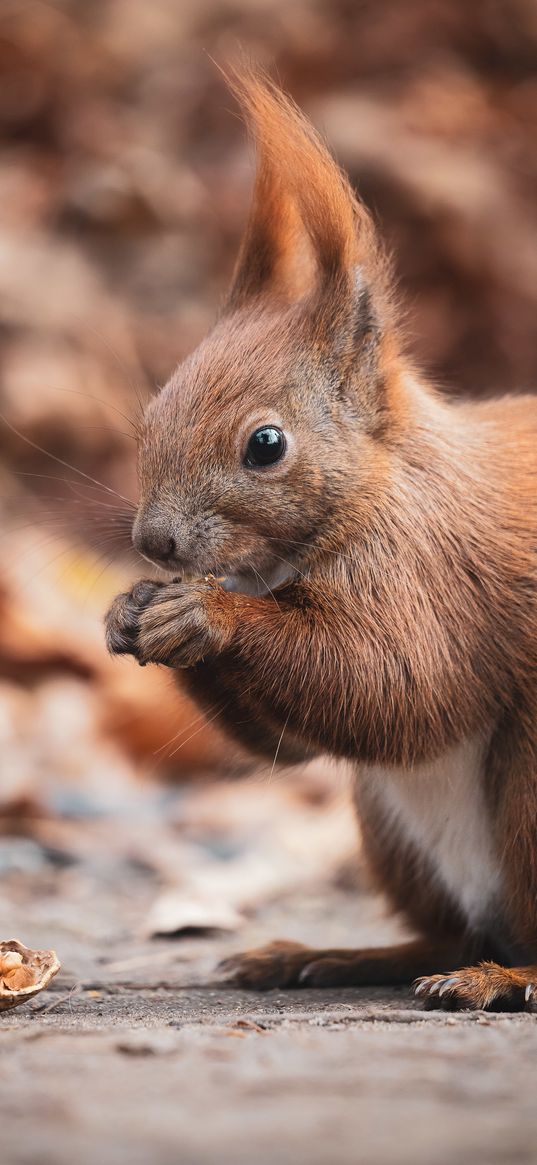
(440, 810)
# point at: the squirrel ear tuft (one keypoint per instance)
(307, 233)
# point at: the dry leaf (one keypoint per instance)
(176, 911)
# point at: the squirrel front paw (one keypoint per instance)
(122, 621)
(177, 624)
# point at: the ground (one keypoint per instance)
(137, 1055)
(125, 183)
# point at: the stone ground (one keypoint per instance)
(137, 1056)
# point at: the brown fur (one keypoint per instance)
(408, 524)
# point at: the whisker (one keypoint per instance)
(77, 487)
(264, 582)
(88, 522)
(124, 369)
(61, 531)
(107, 563)
(278, 746)
(198, 730)
(95, 521)
(310, 545)
(311, 581)
(100, 400)
(46, 565)
(104, 429)
(292, 565)
(60, 461)
(202, 716)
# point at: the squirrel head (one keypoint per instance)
(278, 423)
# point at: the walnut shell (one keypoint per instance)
(41, 966)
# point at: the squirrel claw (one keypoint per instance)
(432, 985)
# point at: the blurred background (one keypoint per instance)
(125, 177)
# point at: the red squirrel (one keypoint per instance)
(357, 562)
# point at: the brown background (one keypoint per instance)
(124, 184)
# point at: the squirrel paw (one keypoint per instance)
(278, 964)
(484, 987)
(174, 623)
(122, 622)
(288, 964)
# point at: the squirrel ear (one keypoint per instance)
(274, 256)
(307, 234)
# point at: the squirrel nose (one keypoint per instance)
(154, 543)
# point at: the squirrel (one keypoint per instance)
(355, 574)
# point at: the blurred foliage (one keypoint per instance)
(124, 184)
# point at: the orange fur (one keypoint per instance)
(398, 534)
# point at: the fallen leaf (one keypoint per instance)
(177, 911)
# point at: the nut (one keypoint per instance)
(13, 973)
(24, 972)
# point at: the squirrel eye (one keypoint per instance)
(265, 446)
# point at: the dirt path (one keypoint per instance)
(219, 1076)
(125, 1063)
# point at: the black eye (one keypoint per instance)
(265, 446)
